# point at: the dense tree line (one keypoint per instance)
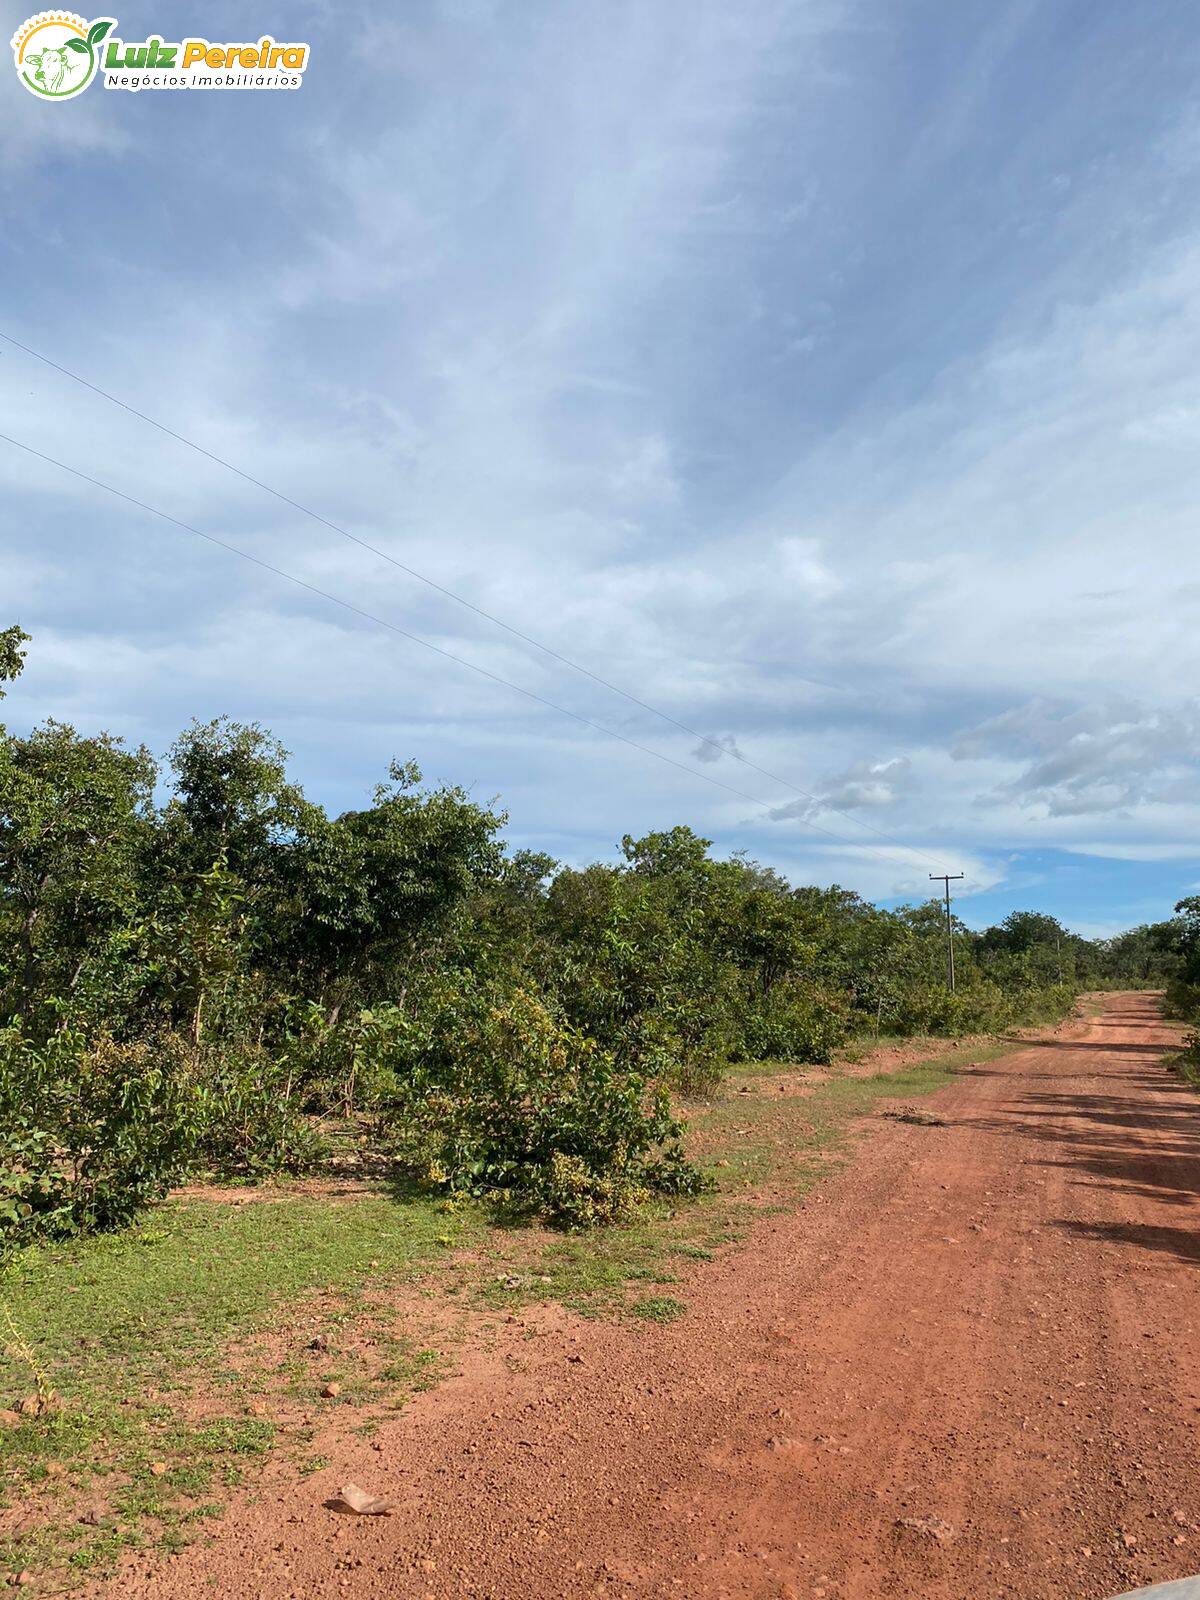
(212, 979)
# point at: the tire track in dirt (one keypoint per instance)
(990, 1329)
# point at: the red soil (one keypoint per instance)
(967, 1367)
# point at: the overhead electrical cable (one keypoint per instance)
(416, 638)
(451, 594)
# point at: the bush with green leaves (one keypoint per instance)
(794, 1021)
(247, 1120)
(493, 1095)
(30, 1186)
(1183, 999)
(95, 1129)
(101, 1126)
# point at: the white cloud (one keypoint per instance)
(1096, 758)
(525, 338)
(1110, 850)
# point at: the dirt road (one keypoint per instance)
(968, 1367)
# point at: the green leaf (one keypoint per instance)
(77, 44)
(97, 31)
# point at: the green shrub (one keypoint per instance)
(30, 1189)
(794, 1022)
(977, 1005)
(491, 1094)
(247, 1121)
(1183, 1000)
(93, 1130)
(577, 1197)
(104, 1126)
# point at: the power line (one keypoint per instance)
(461, 600)
(415, 638)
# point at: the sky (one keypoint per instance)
(825, 375)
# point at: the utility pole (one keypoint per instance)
(947, 878)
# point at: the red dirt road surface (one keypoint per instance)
(968, 1366)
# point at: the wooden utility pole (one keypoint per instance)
(947, 878)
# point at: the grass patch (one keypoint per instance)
(131, 1330)
(658, 1308)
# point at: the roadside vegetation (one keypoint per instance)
(228, 980)
(203, 971)
(1164, 955)
(1181, 937)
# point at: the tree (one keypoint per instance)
(76, 819)
(233, 801)
(1022, 931)
(677, 853)
(372, 890)
(12, 655)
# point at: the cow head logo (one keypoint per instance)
(57, 54)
